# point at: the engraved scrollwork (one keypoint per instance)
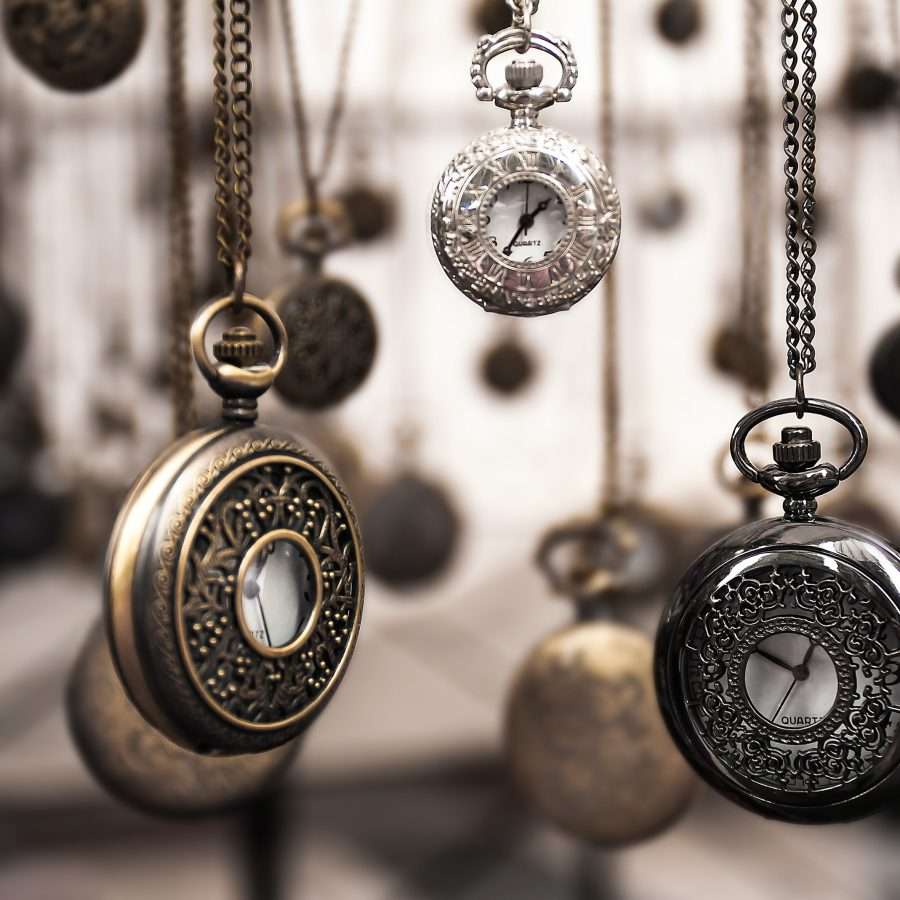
(839, 614)
(251, 489)
(466, 254)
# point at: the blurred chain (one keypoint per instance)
(800, 268)
(233, 138)
(312, 179)
(755, 262)
(611, 497)
(181, 258)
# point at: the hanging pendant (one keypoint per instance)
(526, 220)
(411, 530)
(372, 212)
(585, 740)
(884, 371)
(778, 658)
(139, 766)
(679, 21)
(508, 367)
(74, 45)
(332, 335)
(234, 581)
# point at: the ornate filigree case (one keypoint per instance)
(778, 658)
(234, 581)
(526, 220)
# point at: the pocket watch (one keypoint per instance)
(141, 767)
(332, 335)
(778, 657)
(74, 45)
(585, 740)
(411, 530)
(234, 576)
(525, 220)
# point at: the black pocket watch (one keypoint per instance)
(234, 580)
(778, 658)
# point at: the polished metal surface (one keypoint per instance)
(578, 211)
(778, 668)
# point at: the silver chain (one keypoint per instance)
(522, 11)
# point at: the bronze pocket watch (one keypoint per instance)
(140, 766)
(234, 577)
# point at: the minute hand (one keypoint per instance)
(525, 222)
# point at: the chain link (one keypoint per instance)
(232, 87)
(754, 198)
(313, 178)
(522, 11)
(800, 215)
(181, 258)
(611, 400)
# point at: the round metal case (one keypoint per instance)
(332, 340)
(585, 739)
(74, 45)
(141, 767)
(778, 658)
(525, 220)
(234, 579)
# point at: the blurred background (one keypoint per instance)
(402, 790)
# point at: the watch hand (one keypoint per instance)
(774, 659)
(809, 653)
(784, 699)
(507, 250)
(527, 192)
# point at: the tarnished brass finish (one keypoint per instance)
(176, 568)
(585, 739)
(141, 767)
(74, 45)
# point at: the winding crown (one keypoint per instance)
(524, 74)
(239, 346)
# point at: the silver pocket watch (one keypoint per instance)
(525, 220)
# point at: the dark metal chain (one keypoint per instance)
(181, 258)
(233, 137)
(754, 198)
(611, 402)
(800, 242)
(313, 178)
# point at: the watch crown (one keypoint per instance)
(239, 346)
(796, 450)
(524, 74)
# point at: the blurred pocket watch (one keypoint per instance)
(74, 45)
(508, 366)
(630, 553)
(679, 21)
(141, 767)
(411, 529)
(372, 212)
(525, 221)
(234, 579)
(585, 741)
(332, 336)
(489, 16)
(884, 371)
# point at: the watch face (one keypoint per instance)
(782, 683)
(526, 221)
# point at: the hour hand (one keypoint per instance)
(774, 659)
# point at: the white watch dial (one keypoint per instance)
(526, 221)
